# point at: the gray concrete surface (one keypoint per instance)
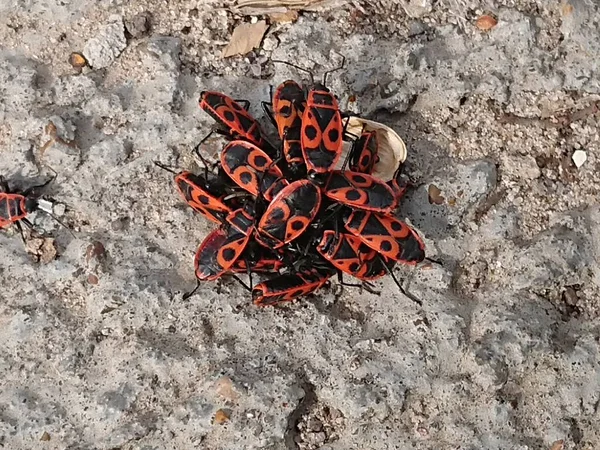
(97, 348)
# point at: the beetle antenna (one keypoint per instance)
(167, 168)
(312, 77)
(62, 224)
(341, 66)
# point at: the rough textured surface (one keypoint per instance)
(98, 350)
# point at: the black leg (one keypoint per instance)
(244, 285)
(404, 292)
(262, 178)
(266, 108)
(33, 229)
(346, 117)
(204, 139)
(370, 288)
(164, 167)
(338, 289)
(28, 223)
(199, 154)
(192, 292)
(364, 285)
(22, 233)
(245, 104)
(434, 261)
(61, 224)
(334, 211)
(352, 136)
(249, 272)
(4, 185)
(29, 190)
(351, 150)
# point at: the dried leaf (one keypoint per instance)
(486, 22)
(435, 195)
(45, 436)
(222, 416)
(42, 248)
(262, 7)
(245, 37)
(391, 151)
(275, 3)
(566, 9)
(558, 445)
(225, 389)
(290, 16)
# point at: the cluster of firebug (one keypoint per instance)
(285, 211)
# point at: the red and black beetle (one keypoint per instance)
(16, 206)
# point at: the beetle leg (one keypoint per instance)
(245, 104)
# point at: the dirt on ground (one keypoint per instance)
(499, 105)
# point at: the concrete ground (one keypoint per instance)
(99, 351)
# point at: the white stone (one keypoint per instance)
(579, 157)
(107, 45)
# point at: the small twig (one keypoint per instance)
(54, 137)
(559, 121)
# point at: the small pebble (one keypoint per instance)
(222, 416)
(579, 157)
(107, 44)
(224, 387)
(77, 60)
(486, 22)
(139, 25)
(95, 250)
(59, 209)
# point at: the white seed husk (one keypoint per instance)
(391, 150)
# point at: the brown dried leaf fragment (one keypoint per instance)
(290, 16)
(43, 249)
(222, 416)
(435, 195)
(245, 38)
(224, 387)
(566, 9)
